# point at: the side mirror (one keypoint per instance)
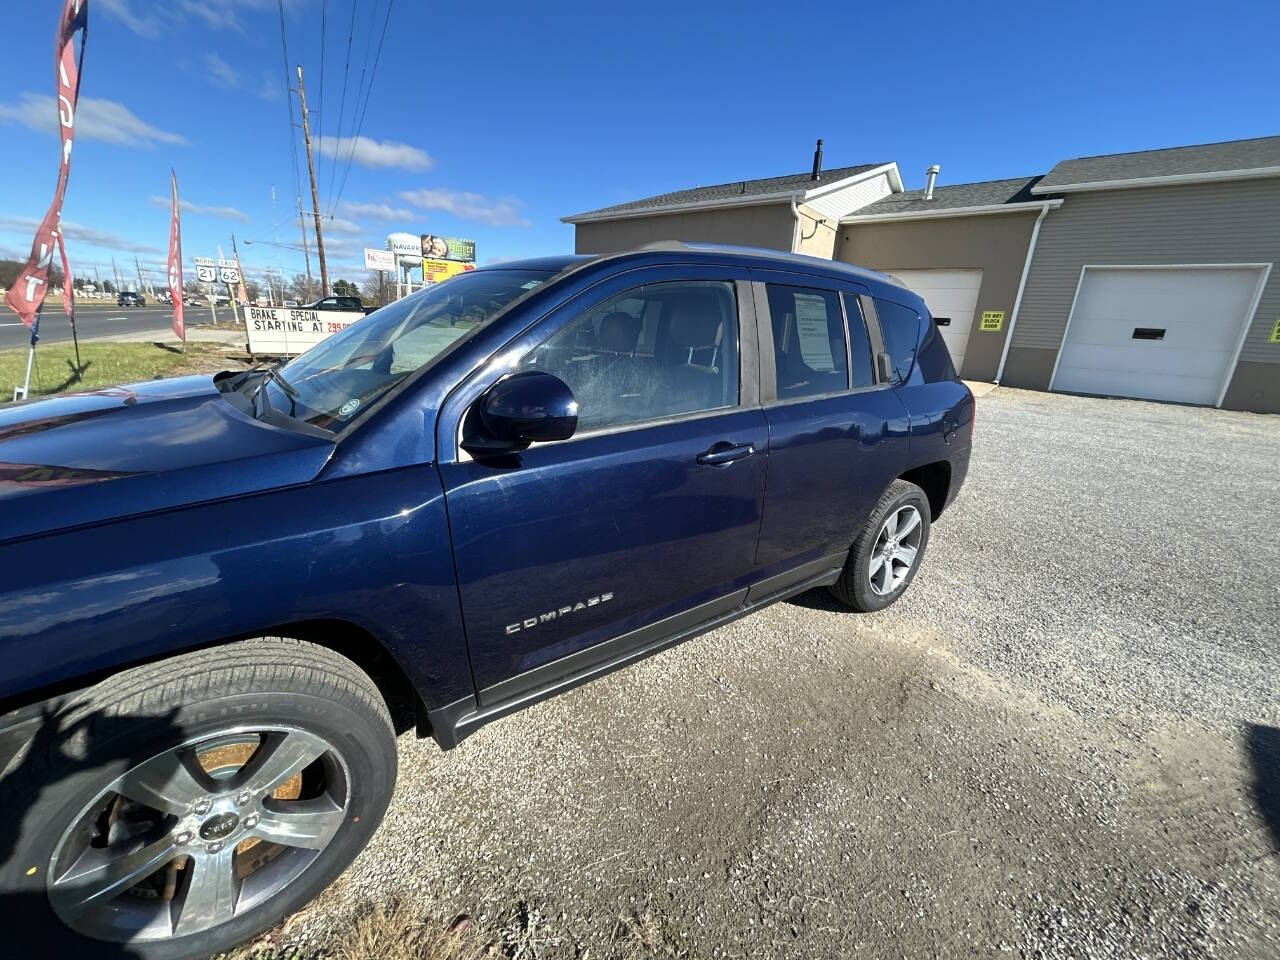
(524, 408)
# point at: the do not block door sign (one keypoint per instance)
(992, 320)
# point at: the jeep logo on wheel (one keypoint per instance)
(219, 827)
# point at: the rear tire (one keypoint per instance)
(876, 572)
(181, 808)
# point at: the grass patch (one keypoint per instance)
(105, 364)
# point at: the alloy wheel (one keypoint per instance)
(199, 834)
(896, 548)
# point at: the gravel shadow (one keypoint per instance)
(1264, 756)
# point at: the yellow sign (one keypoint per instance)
(433, 271)
(992, 320)
(1275, 332)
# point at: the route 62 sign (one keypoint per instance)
(228, 272)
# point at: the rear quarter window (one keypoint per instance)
(901, 329)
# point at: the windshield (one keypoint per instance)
(330, 383)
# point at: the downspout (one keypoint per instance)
(795, 230)
(1022, 285)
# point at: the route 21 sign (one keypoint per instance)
(212, 271)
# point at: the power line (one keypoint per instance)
(365, 107)
(324, 19)
(346, 69)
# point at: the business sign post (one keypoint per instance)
(383, 261)
(288, 331)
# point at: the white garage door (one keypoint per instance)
(950, 295)
(1168, 333)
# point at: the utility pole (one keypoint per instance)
(138, 267)
(315, 198)
(116, 271)
(306, 250)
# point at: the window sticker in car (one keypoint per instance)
(811, 328)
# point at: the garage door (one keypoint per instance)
(950, 295)
(1156, 333)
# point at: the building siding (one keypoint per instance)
(767, 225)
(1233, 222)
(996, 244)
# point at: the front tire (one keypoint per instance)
(884, 559)
(181, 808)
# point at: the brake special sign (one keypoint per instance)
(287, 331)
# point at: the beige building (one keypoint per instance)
(1146, 275)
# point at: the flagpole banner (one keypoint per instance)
(26, 296)
(175, 259)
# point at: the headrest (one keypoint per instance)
(695, 318)
(619, 333)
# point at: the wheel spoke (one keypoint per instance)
(886, 578)
(877, 561)
(278, 759)
(905, 554)
(891, 525)
(910, 520)
(211, 893)
(170, 783)
(310, 824)
(99, 876)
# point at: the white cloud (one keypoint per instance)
(81, 233)
(221, 71)
(142, 25)
(341, 225)
(224, 14)
(96, 119)
(225, 213)
(378, 211)
(373, 153)
(502, 212)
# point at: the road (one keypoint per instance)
(95, 323)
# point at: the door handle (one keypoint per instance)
(724, 453)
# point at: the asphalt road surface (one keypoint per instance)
(93, 324)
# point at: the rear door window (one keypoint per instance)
(809, 350)
(860, 368)
(901, 329)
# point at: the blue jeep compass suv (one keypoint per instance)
(477, 497)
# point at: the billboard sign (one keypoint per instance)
(433, 271)
(288, 331)
(448, 248)
(383, 260)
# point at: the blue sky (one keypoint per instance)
(492, 121)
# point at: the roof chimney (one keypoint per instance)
(817, 162)
(931, 174)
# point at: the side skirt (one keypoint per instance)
(454, 722)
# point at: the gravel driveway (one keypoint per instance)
(1064, 741)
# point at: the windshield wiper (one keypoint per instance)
(273, 373)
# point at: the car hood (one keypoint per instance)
(104, 454)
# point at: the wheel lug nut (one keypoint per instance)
(202, 806)
(183, 838)
(214, 847)
(243, 797)
(251, 821)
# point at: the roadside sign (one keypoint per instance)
(287, 331)
(433, 271)
(206, 269)
(383, 260)
(228, 271)
(1275, 332)
(448, 248)
(992, 320)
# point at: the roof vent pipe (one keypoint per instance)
(817, 162)
(931, 174)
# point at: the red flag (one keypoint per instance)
(26, 296)
(175, 260)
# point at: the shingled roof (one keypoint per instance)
(737, 191)
(987, 193)
(1232, 157)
